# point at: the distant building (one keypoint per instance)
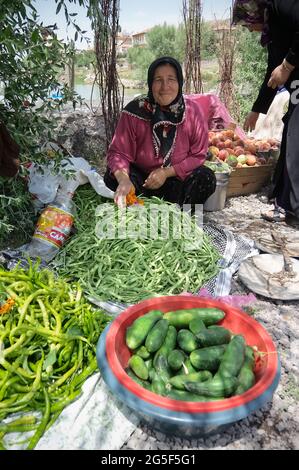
(123, 43)
(222, 26)
(139, 39)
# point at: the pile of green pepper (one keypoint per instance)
(48, 337)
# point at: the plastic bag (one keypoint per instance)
(44, 184)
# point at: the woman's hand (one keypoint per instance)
(250, 121)
(124, 187)
(279, 76)
(155, 179)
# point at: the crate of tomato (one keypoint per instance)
(252, 160)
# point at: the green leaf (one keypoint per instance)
(35, 35)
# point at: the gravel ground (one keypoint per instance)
(275, 426)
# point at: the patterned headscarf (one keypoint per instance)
(248, 12)
(164, 120)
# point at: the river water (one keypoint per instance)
(85, 90)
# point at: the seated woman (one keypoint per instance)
(160, 143)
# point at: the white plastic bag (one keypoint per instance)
(43, 184)
(97, 183)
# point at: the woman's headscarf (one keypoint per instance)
(248, 12)
(164, 119)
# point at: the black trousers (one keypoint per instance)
(195, 189)
(286, 176)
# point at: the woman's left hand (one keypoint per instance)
(278, 77)
(155, 179)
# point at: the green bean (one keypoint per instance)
(42, 426)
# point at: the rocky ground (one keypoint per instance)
(276, 425)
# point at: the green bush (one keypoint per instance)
(17, 218)
(250, 69)
(31, 61)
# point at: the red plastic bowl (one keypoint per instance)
(267, 369)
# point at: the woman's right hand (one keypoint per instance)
(122, 190)
(250, 121)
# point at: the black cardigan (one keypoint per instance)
(284, 34)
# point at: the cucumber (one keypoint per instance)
(149, 364)
(136, 379)
(246, 376)
(162, 368)
(158, 385)
(207, 358)
(178, 381)
(187, 341)
(138, 366)
(138, 331)
(213, 336)
(156, 335)
(196, 325)
(151, 374)
(168, 345)
(188, 396)
(216, 388)
(142, 352)
(175, 359)
(233, 358)
(182, 318)
(186, 368)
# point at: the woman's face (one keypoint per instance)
(165, 85)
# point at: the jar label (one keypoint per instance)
(54, 226)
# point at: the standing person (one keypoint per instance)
(161, 142)
(278, 20)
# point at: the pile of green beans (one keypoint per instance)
(130, 270)
(47, 349)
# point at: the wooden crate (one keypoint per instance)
(248, 180)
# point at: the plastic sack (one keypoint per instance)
(97, 183)
(43, 184)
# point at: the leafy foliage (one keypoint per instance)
(208, 41)
(31, 61)
(162, 40)
(85, 58)
(250, 69)
(16, 212)
(171, 41)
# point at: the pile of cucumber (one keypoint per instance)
(184, 355)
